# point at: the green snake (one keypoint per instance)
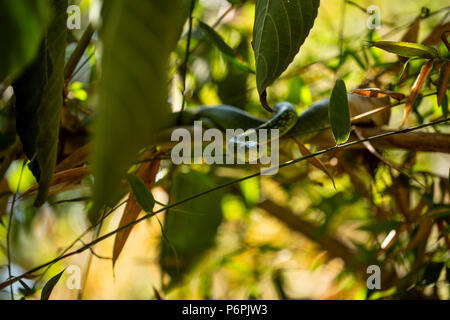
(285, 119)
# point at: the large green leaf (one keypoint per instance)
(24, 23)
(281, 27)
(339, 112)
(39, 97)
(138, 37)
(190, 228)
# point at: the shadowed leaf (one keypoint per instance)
(39, 97)
(142, 194)
(223, 47)
(50, 285)
(432, 272)
(133, 92)
(24, 23)
(339, 112)
(190, 229)
(443, 82)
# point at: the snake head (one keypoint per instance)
(245, 150)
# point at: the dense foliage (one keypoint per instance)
(85, 124)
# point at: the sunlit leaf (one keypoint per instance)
(138, 38)
(39, 98)
(407, 49)
(339, 112)
(251, 191)
(280, 28)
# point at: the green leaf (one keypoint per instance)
(444, 106)
(357, 59)
(6, 141)
(141, 193)
(138, 37)
(223, 47)
(339, 112)
(280, 28)
(39, 98)
(217, 39)
(50, 285)
(24, 23)
(233, 88)
(190, 228)
(432, 272)
(407, 49)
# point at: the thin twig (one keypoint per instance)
(77, 54)
(8, 233)
(184, 66)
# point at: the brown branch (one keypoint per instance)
(414, 141)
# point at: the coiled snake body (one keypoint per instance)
(285, 119)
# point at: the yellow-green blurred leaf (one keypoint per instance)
(138, 38)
